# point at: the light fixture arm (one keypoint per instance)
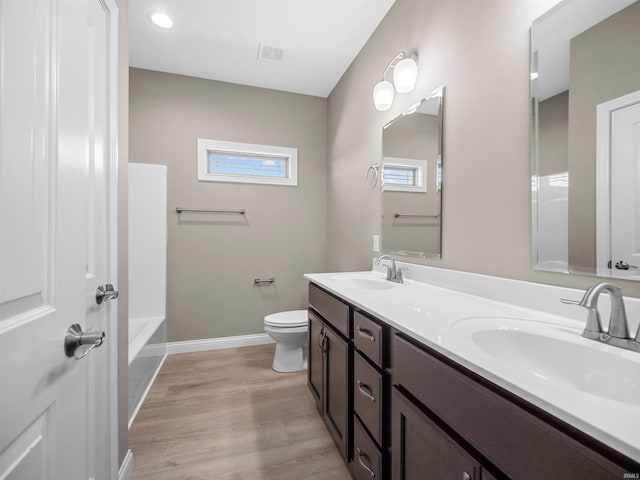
(394, 61)
(399, 56)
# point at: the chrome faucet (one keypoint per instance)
(394, 274)
(618, 334)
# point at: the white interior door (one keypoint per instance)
(618, 186)
(625, 186)
(55, 161)
(101, 260)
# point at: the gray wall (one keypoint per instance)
(553, 134)
(213, 259)
(604, 65)
(480, 50)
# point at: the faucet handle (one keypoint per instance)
(571, 302)
(593, 317)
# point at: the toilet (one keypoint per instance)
(289, 331)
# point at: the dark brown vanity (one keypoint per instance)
(399, 410)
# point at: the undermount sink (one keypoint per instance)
(559, 355)
(362, 282)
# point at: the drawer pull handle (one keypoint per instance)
(364, 465)
(363, 332)
(365, 391)
(466, 476)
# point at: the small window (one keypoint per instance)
(404, 175)
(220, 161)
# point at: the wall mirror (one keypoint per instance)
(412, 180)
(585, 142)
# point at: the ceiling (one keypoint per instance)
(220, 40)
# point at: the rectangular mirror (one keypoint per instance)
(412, 180)
(585, 142)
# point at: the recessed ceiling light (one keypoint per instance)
(162, 20)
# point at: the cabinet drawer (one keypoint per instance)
(332, 310)
(529, 448)
(367, 459)
(368, 337)
(367, 396)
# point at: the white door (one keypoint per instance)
(100, 272)
(56, 154)
(618, 187)
(625, 188)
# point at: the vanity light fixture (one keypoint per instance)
(162, 20)
(405, 73)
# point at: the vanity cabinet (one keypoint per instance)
(511, 437)
(399, 410)
(329, 364)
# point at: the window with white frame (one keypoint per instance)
(220, 161)
(404, 175)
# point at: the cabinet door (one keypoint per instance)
(420, 450)
(315, 359)
(336, 394)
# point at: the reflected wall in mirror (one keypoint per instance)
(412, 180)
(585, 143)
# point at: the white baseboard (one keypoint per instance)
(218, 343)
(126, 469)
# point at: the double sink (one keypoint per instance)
(537, 355)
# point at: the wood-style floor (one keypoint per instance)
(226, 414)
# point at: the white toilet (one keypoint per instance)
(289, 330)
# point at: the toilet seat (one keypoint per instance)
(290, 319)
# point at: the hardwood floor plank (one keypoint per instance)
(226, 414)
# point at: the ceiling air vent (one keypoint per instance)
(267, 52)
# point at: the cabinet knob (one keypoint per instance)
(466, 476)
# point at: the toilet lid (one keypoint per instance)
(294, 318)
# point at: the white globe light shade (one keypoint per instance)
(405, 74)
(383, 95)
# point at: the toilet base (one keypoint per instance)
(288, 358)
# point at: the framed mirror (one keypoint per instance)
(585, 142)
(412, 180)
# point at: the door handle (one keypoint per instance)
(106, 293)
(324, 343)
(622, 265)
(78, 344)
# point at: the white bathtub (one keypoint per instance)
(147, 351)
(147, 278)
(140, 332)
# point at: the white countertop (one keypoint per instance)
(446, 320)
